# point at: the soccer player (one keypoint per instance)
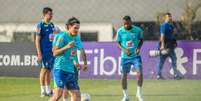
(43, 42)
(65, 45)
(167, 41)
(130, 40)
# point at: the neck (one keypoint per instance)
(70, 33)
(129, 28)
(46, 20)
(167, 21)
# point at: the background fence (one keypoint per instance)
(145, 13)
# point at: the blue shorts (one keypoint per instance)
(47, 61)
(65, 79)
(126, 64)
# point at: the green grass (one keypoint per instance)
(27, 89)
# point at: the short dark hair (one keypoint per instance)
(72, 20)
(127, 18)
(168, 13)
(46, 10)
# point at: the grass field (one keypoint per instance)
(27, 89)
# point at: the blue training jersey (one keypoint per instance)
(64, 61)
(167, 30)
(129, 39)
(45, 31)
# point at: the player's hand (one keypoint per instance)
(162, 47)
(78, 66)
(70, 44)
(85, 67)
(39, 56)
(137, 51)
(127, 51)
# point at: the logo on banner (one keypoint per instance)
(180, 61)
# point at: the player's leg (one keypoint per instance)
(65, 94)
(125, 69)
(161, 61)
(76, 96)
(74, 88)
(59, 83)
(57, 94)
(47, 82)
(174, 64)
(49, 66)
(138, 67)
(124, 86)
(42, 80)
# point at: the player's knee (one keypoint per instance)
(76, 95)
(124, 76)
(139, 74)
(57, 95)
(65, 94)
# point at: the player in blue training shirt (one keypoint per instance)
(65, 45)
(130, 40)
(43, 42)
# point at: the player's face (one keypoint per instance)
(168, 17)
(74, 29)
(127, 24)
(48, 15)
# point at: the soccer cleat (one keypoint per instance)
(176, 77)
(139, 97)
(49, 94)
(160, 77)
(125, 99)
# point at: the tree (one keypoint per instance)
(189, 15)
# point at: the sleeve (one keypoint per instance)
(78, 42)
(58, 41)
(38, 29)
(118, 36)
(162, 29)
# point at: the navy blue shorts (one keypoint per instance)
(47, 61)
(65, 79)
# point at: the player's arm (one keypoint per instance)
(162, 37)
(140, 41)
(37, 43)
(79, 45)
(162, 40)
(119, 45)
(57, 50)
(58, 45)
(137, 51)
(84, 57)
(38, 48)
